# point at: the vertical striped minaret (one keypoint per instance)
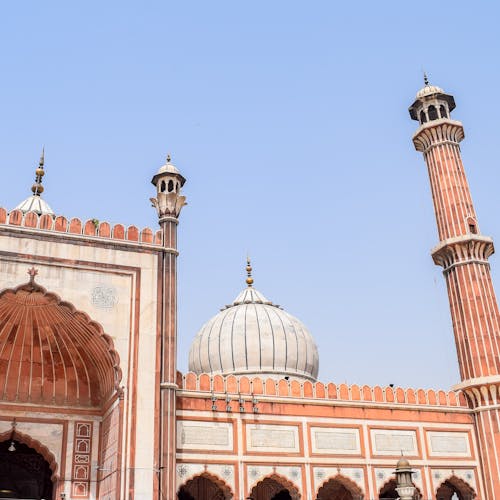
(463, 252)
(168, 203)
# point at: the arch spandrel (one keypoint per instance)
(454, 484)
(216, 488)
(325, 491)
(40, 448)
(52, 354)
(271, 485)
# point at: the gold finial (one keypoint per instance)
(37, 187)
(249, 279)
(426, 80)
(169, 158)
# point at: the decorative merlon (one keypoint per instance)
(75, 226)
(250, 387)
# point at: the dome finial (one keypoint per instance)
(249, 279)
(426, 80)
(169, 158)
(37, 187)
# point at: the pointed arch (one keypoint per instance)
(343, 487)
(454, 484)
(205, 486)
(388, 490)
(72, 361)
(40, 448)
(271, 485)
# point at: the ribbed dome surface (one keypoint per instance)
(252, 336)
(429, 90)
(52, 354)
(35, 204)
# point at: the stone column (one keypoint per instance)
(168, 203)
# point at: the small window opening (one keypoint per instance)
(432, 111)
(163, 186)
(423, 118)
(442, 112)
(472, 228)
(170, 186)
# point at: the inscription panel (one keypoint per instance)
(272, 438)
(335, 441)
(394, 442)
(204, 435)
(448, 444)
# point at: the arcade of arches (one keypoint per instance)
(206, 487)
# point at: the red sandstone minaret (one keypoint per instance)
(463, 252)
(168, 203)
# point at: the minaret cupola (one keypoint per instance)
(431, 103)
(168, 182)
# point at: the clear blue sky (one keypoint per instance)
(289, 120)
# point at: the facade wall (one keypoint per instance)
(116, 284)
(241, 438)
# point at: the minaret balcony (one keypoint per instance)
(461, 250)
(436, 132)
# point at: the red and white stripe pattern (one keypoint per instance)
(464, 253)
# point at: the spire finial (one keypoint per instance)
(32, 273)
(426, 80)
(169, 158)
(37, 187)
(249, 279)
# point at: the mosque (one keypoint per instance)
(92, 405)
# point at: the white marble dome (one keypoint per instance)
(254, 337)
(35, 203)
(429, 90)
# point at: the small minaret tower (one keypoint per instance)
(463, 253)
(168, 204)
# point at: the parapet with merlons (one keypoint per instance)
(205, 385)
(75, 227)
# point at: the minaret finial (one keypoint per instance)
(426, 80)
(37, 187)
(249, 279)
(169, 158)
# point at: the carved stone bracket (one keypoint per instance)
(463, 250)
(438, 132)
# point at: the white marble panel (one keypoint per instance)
(443, 444)
(192, 434)
(335, 441)
(393, 442)
(272, 438)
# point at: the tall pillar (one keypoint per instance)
(463, 252)
(168, 203)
